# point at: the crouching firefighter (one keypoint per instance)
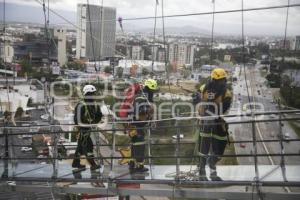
(216, 100)
(86, 115)
(141, 99)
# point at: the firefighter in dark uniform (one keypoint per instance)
(143, 111)
(216, 99)
(87, 114)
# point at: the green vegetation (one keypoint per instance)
(145, 71)
(108, 69)
(75, 66)
(290, 93)
(120, 72)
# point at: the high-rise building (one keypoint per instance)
(137, 53)
(60, 34)
(181, 54)
(173, 54)
(96, 32)
(297, 43)
(161, 55)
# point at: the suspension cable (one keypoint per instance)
(210, 13)
(212, 32)
(91, 31)
(154, 34)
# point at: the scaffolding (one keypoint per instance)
(176, 180)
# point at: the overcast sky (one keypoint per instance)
(256, 22)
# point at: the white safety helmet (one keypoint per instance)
(88, 88)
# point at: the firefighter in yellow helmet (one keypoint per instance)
(215, 100)
(141, 99)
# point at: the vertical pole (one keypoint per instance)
(112, 160)
(177, 150)
(96, 134)
(282, 152)
(282, 161)
(149, 150)
(6, 155)
(256, 178)
(54, 127)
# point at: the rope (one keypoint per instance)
(154, 32)
(210, 13)
(212, 32)
(91, 31)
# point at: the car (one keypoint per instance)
(45, 116)
(25, 136)
(12, 183)
(181, 136)
(286, 135)
(242, 145)
(26, 149)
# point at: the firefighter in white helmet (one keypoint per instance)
(87, 114)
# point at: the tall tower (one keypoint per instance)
(61, 46)
(95, 38)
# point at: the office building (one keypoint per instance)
(95, 37)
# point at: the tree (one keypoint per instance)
(26, 67)
(145, 71)
(120, 72)
(108, 69)
(185, 73)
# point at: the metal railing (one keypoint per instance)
(178, 178)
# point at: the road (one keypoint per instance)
(261, 95)
(263, 98)
(16, 142)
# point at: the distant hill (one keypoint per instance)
(34, 14)
(185, 30)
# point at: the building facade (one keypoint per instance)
(95, 37)
(60, 34)
(297, 43)
(181, 54)
(137, 53)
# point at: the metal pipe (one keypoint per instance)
(161, 127)
(165, 157)
(157, 181)
(154, 142)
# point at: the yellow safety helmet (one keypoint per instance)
(151, 84)
(218, 73)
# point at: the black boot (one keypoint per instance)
(202, 175)
(141, 168)
(76, 164)
(93, 164)
(131, 165)
(214, 176)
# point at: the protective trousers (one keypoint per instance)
(217, 148)
(84, 147)
(138, 147)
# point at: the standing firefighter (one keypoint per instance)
(87, 114)
(216, 100)
(139, 106)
